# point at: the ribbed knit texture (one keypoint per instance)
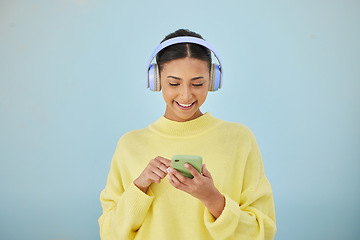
(232, 156)
(191, 128)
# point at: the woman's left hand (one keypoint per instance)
(201, 187)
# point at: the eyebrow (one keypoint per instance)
(177, 78)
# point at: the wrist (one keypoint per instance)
(215, 204)
(139, 185)
(214, 197)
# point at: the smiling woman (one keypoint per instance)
(185, 84)
(230, 198)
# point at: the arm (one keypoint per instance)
(125, 207)
(251, 218)
(124, 210)
(201, 187)
(254, 216)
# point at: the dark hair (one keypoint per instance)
(183, 50)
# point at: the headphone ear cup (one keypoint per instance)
(218, 77)
(215, 77)
(154, 78)
(157, 85)
(212, 77)
(151, 75)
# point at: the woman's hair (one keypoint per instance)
(183, 50)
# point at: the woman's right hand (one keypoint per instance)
(153, 172)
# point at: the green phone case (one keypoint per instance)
(178, 161)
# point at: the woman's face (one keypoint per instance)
(184, 84)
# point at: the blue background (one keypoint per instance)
(72, 81)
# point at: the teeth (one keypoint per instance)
(185, 105)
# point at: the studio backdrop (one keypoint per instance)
(73, 81)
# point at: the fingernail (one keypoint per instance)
(168, 169)
(186, 165)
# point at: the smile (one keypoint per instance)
(185, 106)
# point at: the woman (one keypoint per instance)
(230, 199)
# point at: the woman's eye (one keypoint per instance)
(174, 84)
(198, 85)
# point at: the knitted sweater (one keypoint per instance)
(231, 155)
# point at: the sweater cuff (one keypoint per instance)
(138, 202)
(226, 223)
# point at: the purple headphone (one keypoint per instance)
(153, 74)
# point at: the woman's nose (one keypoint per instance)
(186, 93)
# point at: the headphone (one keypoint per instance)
(153, 73)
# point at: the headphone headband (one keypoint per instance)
(176, 40)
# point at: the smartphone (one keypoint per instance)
(178, 161)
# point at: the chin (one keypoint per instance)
(174, 113)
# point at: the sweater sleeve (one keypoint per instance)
(124, 210)
(254, 216)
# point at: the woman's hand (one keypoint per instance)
(201, 187)
(153, 172)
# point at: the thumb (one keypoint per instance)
(206, 172)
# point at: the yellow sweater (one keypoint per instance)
(231, 155)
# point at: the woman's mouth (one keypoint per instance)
(185, 106)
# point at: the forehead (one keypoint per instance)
(185, 65)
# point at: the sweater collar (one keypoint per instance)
(193, 127)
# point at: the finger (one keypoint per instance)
(156, 163)
(163, 167)
(170, 180)
(165, 161)
(175, 181)
(206, 172)
(192, 170)
(154, 177)
(178, 175)
(161, 163)
(173, 178)
(159, 172)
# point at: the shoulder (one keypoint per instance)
(132, 136)
(237, 132)
(235, 128)
(240, 134)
